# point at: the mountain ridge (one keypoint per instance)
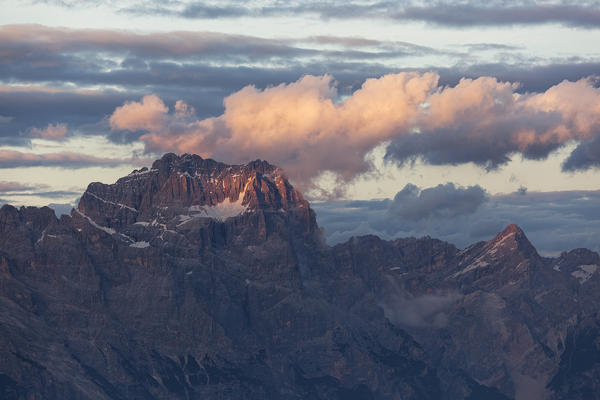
(156, 288)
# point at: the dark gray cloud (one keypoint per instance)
(533, 77)
(208, 67)
(483, 122)
(41, 107)
(586, 155)
(456, 14)
(476, 13)
(488, 144)
(37, 43)
(471, 47)
(553, 221)
(443, 200)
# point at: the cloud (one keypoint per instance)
(51, 132)
(14, 187)
(204, 67)
(52, 46)
(497, 13)
(428, 310)
(52, 194)
(455, 14)
(445, 200)
(149, 114)
(299, 126)
(586, 155)
(48, 41)
(38, 190)
(305, 128)
(484, 121)
(553, 221)
(14, 159)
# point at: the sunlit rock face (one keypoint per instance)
(199, 280)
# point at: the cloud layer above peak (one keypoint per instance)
(306, 128)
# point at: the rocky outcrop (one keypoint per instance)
(199, 280)
(496, 310)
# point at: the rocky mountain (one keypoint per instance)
(199, 280)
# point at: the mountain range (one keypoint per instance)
(194, 279)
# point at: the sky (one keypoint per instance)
(396, 118)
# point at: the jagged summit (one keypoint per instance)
(193, 163)
(195, 278)
(189, 187)
(512, 238)
(508, 257)
(512, 228)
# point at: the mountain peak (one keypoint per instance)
(189, 185)
(512, 228)
(511, 239)
(193, 163)
(510, 250)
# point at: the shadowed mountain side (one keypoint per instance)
(196, 279)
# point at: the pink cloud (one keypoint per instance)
(6, 186)
(298, 125)
(51, 132)
(305, 128)
(149, 114)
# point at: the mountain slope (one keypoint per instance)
(196, 279)
(153, 289)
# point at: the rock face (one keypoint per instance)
(198, 280)
(498, 312)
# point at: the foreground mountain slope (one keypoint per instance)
(196, 279)
(190, 280)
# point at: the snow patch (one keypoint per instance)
(41, 237)
(584, 272)
(110, 231)
(220, 212)
(500, 243)
(142, 223)
(140, 245)
(474, 265)
(184, 219)
(112, 202)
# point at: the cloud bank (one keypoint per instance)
(66, 159)
(445, 13)
(443, 200)
(553, 221)
(76, 76)
(306, 128)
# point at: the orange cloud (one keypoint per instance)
(149, 114)
(305, 128)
